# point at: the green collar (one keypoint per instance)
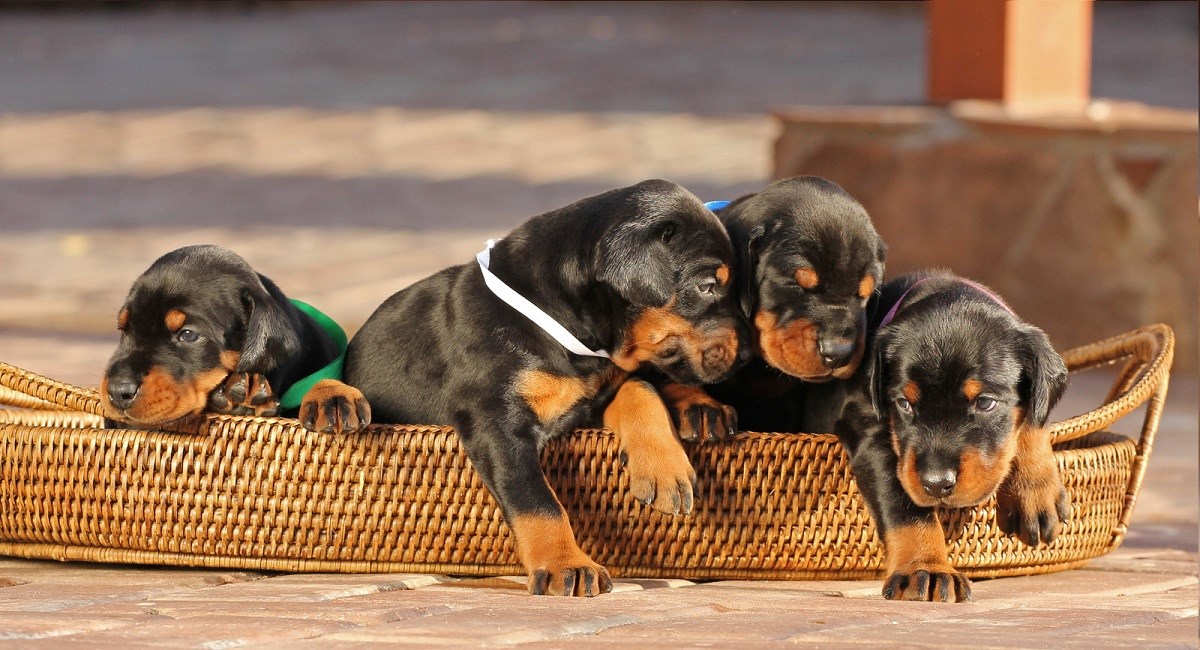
(333, 370)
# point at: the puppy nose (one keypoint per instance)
(122, 392)
(939, 484)
(836, 353)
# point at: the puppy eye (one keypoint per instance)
(187, 336)
(667, 233)
(985, 404)
(708, 287)
(903, 405)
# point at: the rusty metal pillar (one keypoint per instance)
(1028, 54)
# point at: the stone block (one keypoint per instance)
(1087, 223)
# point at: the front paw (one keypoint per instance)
(244, 393)
(331, 406)
(1035, 512)
(941, 584)
(582, 578)
(698, 417)
(661, 476)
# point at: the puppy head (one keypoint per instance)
(668, 260)
(956, 384)
(808, 260)
(196, 315)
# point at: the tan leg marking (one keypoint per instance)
(918, 567)
(660, 474)
(556, 564)
(332, 406)
(551, 396)
(700, 417)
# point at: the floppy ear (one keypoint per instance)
(270, 337)
(877, 376)
(1043, 376)
(633, 260)
(748, 244)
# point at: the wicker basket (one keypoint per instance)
(262, 493)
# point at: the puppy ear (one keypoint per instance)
(633, 260)
(1043, 376)
(747, 267)
(876, 376)
(270, 337)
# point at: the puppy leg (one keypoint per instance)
(510, 467)
(1032, 502)
(697, 416)
(660, 474)
(918, 567)
(331, 406)
(244, 393)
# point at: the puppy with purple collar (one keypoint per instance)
(950, 407)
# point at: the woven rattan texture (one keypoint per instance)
(262, 493)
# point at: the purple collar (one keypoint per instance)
(979, 287)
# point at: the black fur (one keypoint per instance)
(802, 222)
(946, 333)
(242, 322)
(448, 351)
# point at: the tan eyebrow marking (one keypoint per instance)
(912, 392)
(123, 319)
(807, 277)
(866, 287)
(723, 275)
(175, 320)
(971, 388)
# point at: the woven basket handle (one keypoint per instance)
(1144, 379)
(1148, 353)
(25, 389)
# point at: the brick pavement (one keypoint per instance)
(381, 142)
(1146, 597)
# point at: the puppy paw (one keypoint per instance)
(579, 578)
(931, 583)
(331, 406)
(1035, 511)
(244, 393)
(697, 416)
(660, 476)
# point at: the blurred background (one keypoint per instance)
(349, 148)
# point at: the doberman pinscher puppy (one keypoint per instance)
(950, 407)
(636, 277)
(201, 331)
(808, 259)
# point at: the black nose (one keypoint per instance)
(836, 353)
(939, 484)
(122, 392)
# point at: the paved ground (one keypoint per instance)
(380, 142)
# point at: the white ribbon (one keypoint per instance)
(530, 310)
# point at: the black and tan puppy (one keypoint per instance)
(808, 258)
(951, 407)
(641, 272)
(201, 331)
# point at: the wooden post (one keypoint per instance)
(1032, 55)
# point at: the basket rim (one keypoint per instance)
(1148, 351)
